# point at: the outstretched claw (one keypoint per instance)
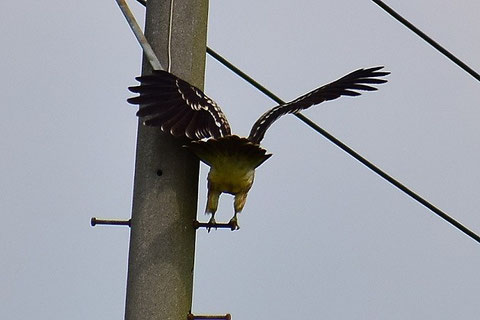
(234, 223)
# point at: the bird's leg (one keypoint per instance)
(238, 204)
(212, 205)
(211, 223)
(234, 222)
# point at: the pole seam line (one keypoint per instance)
(170, 28)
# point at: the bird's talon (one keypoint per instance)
(233, 224)
(211, 223)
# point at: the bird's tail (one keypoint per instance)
(221, 151)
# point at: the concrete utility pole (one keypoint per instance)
(162, 242)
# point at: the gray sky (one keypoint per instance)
(321, 234)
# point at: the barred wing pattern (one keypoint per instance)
(345, 86)
(178, 108)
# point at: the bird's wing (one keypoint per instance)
(177, 107)
(345, 86)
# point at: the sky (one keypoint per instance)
(321, 234)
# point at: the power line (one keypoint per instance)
(432, 42)
(347, 149)
(137, 31)
(418, 32)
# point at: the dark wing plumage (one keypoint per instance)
(345, 86)
(177, 107)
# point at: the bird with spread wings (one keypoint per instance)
(181, 109)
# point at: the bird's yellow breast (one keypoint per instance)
(232, 162)
(231, 176)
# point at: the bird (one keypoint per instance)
(183, 110)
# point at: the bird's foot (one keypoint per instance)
(211, 223)
(234, 224)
